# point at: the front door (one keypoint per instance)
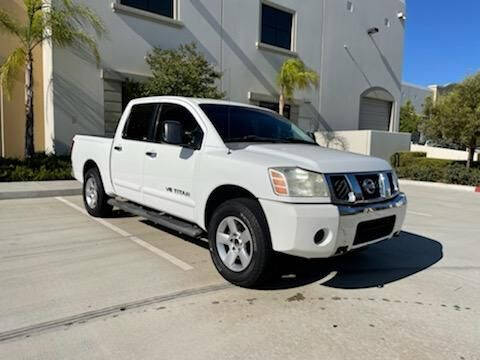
(129, 150)
(168, 170)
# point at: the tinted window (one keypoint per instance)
(276, 27)
(140, 122)
(275, 107)
(242, 124)
(161, 7)
(192, 133)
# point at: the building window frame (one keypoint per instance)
(176, 21)
(293, 41)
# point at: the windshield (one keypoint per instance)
(243, 124)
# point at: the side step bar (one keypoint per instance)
(159, 218)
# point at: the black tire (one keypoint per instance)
(251, 214)
(100, 208)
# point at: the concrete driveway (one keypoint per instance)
(81, 288)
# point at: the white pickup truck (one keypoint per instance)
(247, 177)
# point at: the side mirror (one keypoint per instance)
(173, 132)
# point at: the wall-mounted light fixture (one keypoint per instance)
(372, 31)
(402, 16)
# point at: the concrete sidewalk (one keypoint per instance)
(36, 189)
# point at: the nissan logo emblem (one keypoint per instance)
(369, 186)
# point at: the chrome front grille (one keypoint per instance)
(369, 184)
(340, 187)
(360, 188)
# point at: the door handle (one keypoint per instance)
(151, 154)
(118, 148)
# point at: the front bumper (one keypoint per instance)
(293, 226)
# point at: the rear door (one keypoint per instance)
(129, 151)
(168, 181)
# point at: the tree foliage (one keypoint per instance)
(455, 117)
(181, 72)
(64, 23)
(409, 119)
(294, 75)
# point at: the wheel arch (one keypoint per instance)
(89, 164)
(221, 194)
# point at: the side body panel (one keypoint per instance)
(127, 168)
(96, 149)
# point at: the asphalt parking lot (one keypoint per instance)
(120, 288)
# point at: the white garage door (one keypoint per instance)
(375, 114)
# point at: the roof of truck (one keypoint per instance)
(197, 101)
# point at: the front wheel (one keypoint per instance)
(94, 196)
(239, 242)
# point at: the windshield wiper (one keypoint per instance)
(299, 141)
(253, 138)
(256, 138)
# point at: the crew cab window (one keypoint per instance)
(140, 122)
(192, 132)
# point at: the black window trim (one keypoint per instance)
(293, 41)
(117, 6)
(151, 133)
(157, 124)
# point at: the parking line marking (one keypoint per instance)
(182, 265)
(175, 261)
(419, 213)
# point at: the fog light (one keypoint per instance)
(319, 236)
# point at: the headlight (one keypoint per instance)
(296, 182)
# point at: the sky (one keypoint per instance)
(442, 43)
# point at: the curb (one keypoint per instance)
(465, 188)
(38, 193)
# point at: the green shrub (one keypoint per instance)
(459, 174)
(416, 166)
(421, 173)
(38, 168)
(404, 158)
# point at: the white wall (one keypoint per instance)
(227, 31)
(355, 62)
(380, 144)
(416, 94)
(441, 153)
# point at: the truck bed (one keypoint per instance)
(97, 149)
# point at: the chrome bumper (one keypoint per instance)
(351, 216)
(399, 201)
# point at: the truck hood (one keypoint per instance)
(315, 158)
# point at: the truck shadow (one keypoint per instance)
(374, 266)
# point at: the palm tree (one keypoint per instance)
(64, 24)
(294, 75)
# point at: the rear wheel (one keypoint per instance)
(94, 196)
(240, 243)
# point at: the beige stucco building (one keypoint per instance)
(12, 106)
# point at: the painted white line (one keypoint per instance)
(328, 277)
(101, 221)
(419, 213)
(182, 265)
